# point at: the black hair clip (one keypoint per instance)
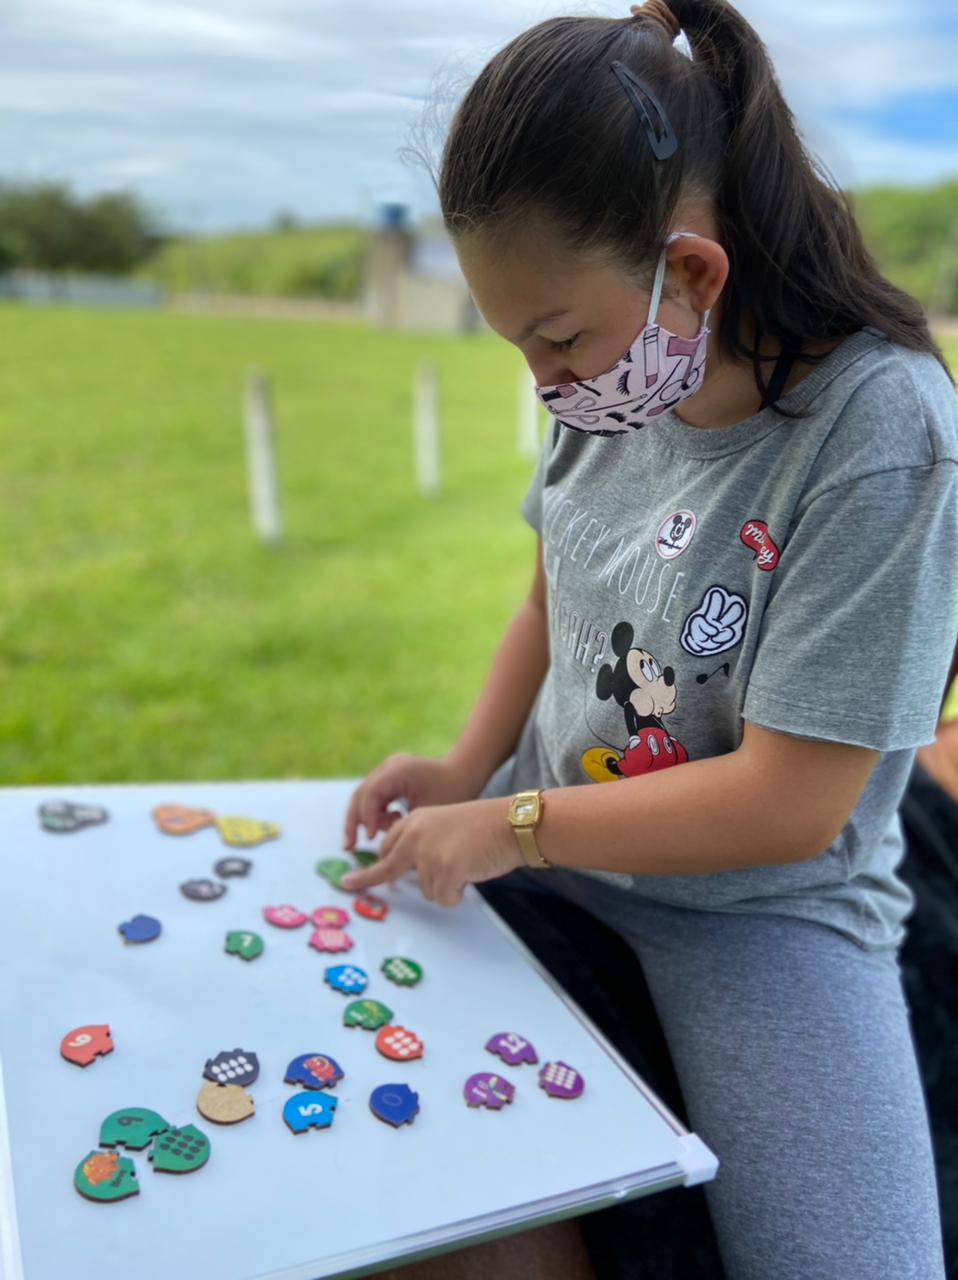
(662, 139)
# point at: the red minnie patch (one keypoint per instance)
(754, 533)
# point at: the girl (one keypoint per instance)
(744, 598)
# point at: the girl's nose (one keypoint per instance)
(549, 372)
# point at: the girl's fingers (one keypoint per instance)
(362, 879)
(388, 868)
(374, 812)
(361, 812)
(371, 822)
(349, 828)
(381, 872)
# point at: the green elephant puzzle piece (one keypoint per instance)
(370, 1014)
(180, 1150)
(333, 869)
(244, 944)
(401, 970)
(133, 1127)
(105, 1176)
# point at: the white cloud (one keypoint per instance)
(194, 102)
(119, 23)
(129, 100)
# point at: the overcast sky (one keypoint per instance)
(222, 112)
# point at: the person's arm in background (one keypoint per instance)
(492, 731)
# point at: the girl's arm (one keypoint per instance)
(775, 799)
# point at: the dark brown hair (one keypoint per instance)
(545, 132)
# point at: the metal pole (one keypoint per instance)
(261, 459)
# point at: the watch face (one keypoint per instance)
(525, 808)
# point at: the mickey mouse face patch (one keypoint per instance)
(674, 534)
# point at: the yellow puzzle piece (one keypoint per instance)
(246, 831)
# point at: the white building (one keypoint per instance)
(411, 279)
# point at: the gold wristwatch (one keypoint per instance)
(525, 814)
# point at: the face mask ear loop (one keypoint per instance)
(659, 280)
(657, 288)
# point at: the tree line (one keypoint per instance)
(911, 232)
(44, 226)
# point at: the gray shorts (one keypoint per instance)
(793, 1051)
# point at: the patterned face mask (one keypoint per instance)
(658, 370)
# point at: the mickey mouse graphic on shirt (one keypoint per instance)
(646, 692)
(674, 534)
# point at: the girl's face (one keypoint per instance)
(572, 319)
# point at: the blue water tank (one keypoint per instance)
(393, 216)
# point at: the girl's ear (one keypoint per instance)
(701, 266)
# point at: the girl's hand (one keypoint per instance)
(449, 845)
(420, 780)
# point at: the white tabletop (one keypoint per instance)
(336, 1202)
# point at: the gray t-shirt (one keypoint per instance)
(800, 575)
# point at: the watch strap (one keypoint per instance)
(531, 852)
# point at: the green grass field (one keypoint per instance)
(146, 635)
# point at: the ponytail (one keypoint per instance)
(545, 133)
(782, 218)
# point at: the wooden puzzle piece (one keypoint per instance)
(62, 816)
(285, 917)
(83, 1044)
(132, 1127)
(227, 868)
(511, 1048)
(180, 1150)
(370, 907)
(368, 1014)
(560, 1080)
(246, 945)
(314, 1071)
(105, 1176)
(181, 819)
(348, 978)
(243, 832)
(329, 917)
(399, 1044)
(486, 1089)
(224, 1103)
(140, 929)
(202, 890)
(330, 940)
(333, 870)
(233, 1066)
(401, 970)
(305, 1111)
(395, 1103)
